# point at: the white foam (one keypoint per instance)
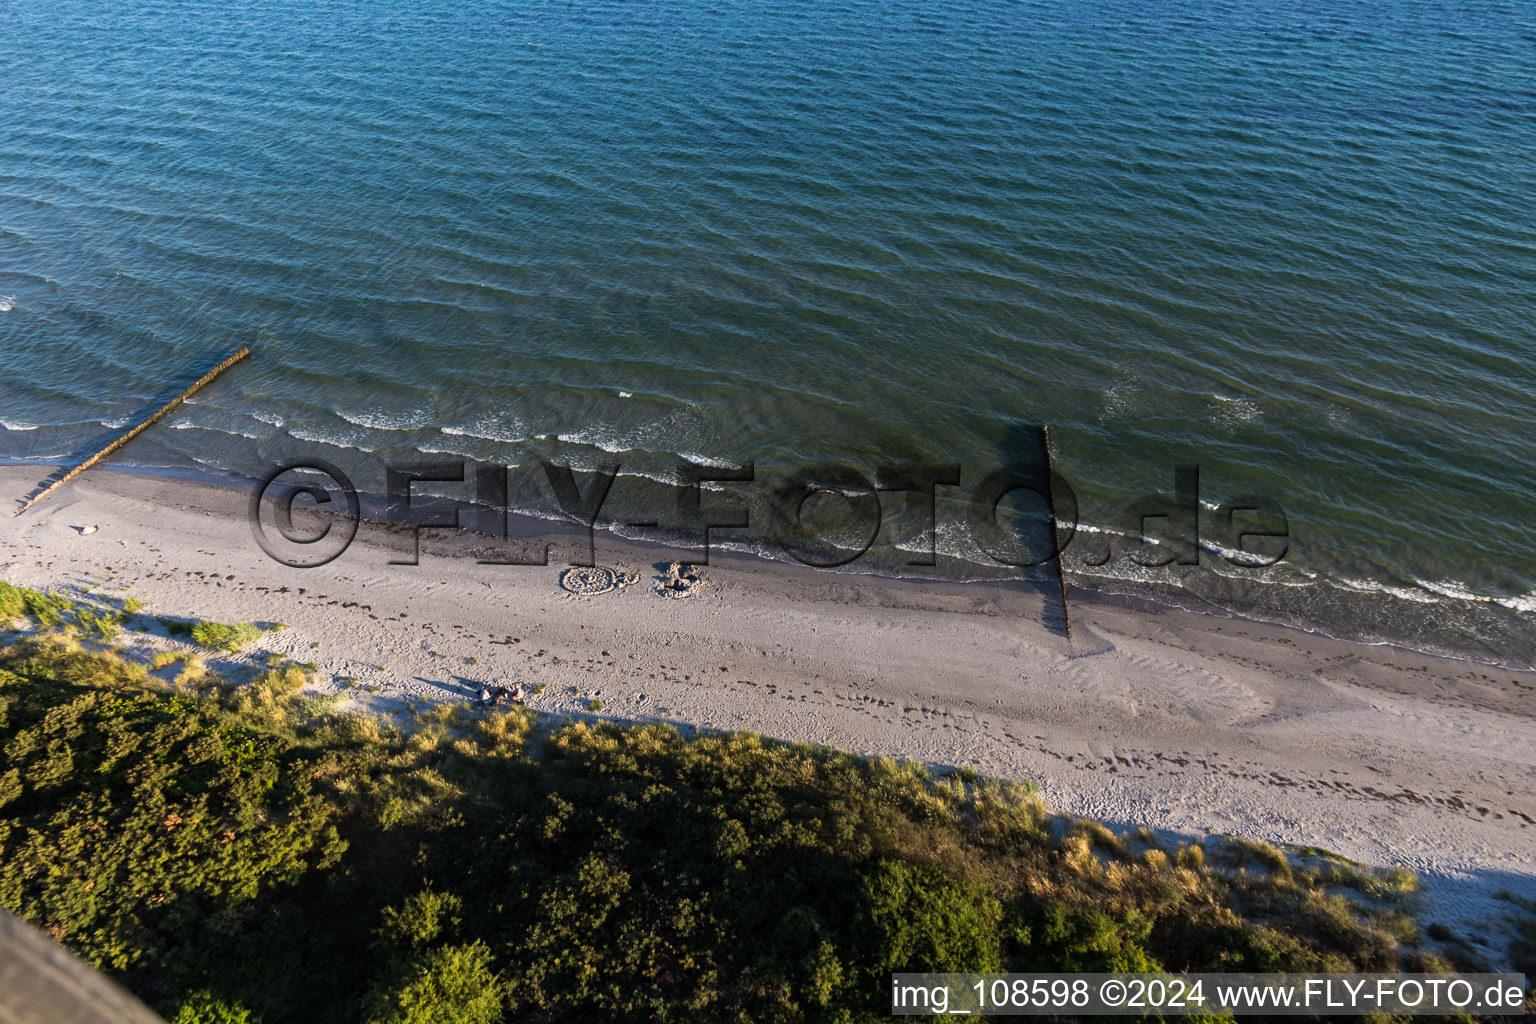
(117, 424)
(1520, 603)
(596, 440)
(1451, 589)
(414, 420)
(1109, 530)
(1234, 411)
(1249, 559)
(184, 425)
(491, 429)
(17, 427)
(660, 478)
(445, 451)
(705, 460)
(299, 433)
(626, 394)
(1417, 596)
(609, 442)
(7, 304)
(1118, 398)
(1460, 592)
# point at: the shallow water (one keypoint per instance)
(1290, 243)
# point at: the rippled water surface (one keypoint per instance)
(1294, 243)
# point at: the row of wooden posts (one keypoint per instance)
(163, 411)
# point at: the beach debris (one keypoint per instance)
(88, 530)
(591, 580)
(681, 580)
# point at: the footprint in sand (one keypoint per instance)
(1158, 682)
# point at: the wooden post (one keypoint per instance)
(136, 431)
(1050, 489)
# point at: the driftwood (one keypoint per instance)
(136, 431)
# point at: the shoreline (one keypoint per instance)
(1172, 718)
(1141, 595)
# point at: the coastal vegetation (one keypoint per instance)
(100, 620)
(23, 602)
(249, 853)
(227, 637)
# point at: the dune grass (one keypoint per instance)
(249, 850)
(47, 608)
(226, 637)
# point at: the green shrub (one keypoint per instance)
(47, 608)
(145, 801)
(203, 1007)
(425, 917)
(12, 604)
(1066, 938)
(283, 862)
(919, 918)
(228, 637)
(449, 985)
(103, 626)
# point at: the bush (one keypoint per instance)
(921, 919)
(425, 917)
(141, 820)
(283, 862)
(12, 603)
(48, 609)
(105, 626)
(1066, 938)
(228, 637)
(449, 985)
(203, 1007)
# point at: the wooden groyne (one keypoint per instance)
(1050, 492)
(163, 411)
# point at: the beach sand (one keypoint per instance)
(1185, 722)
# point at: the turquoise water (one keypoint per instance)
(1293, 243)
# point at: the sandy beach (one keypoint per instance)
(1187, 723)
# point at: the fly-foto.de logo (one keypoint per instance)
(1013, 516)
